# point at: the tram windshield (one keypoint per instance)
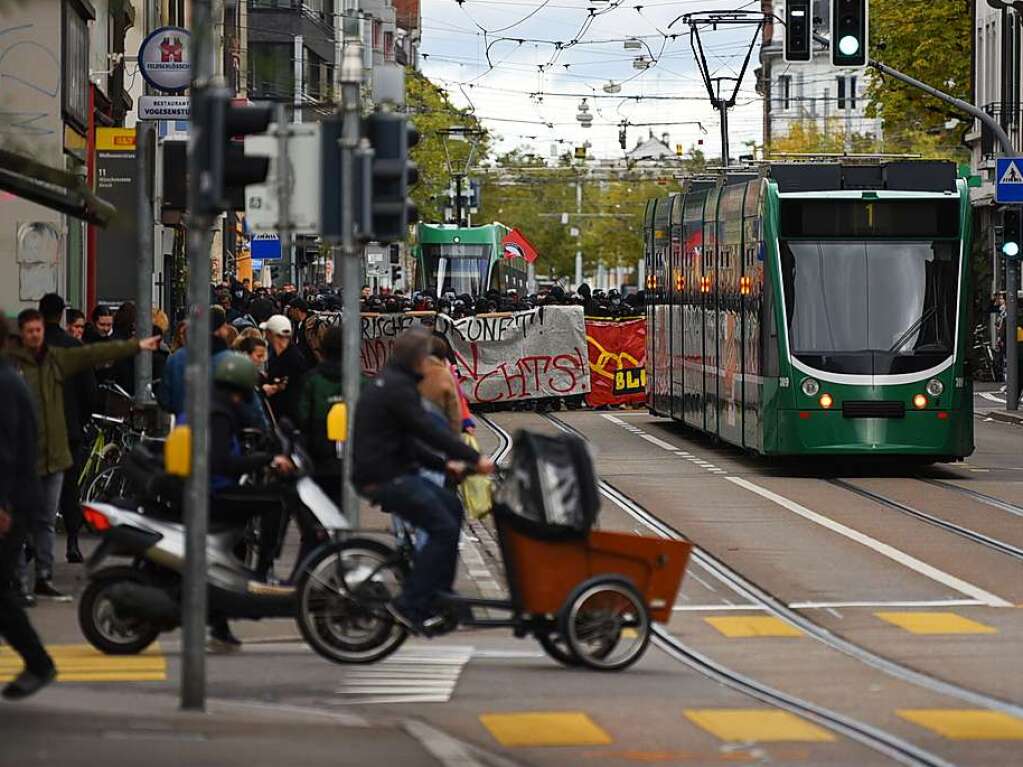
(457, 268)
(871, 307)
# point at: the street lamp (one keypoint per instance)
(583, 116)
(460, 134)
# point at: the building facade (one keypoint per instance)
(810, 93)
(997, 64)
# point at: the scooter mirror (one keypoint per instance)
(337, 423)
(177, 452)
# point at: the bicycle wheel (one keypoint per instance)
(108, 484)
(605, 623)
(342, 595)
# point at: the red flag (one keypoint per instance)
(517, 246)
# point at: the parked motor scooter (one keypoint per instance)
(125, 607)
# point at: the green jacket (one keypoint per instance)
(45, 381)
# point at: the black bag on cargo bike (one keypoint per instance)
(551, 489)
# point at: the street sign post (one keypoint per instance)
(1009, 180)
(305, 161)
(266, 247)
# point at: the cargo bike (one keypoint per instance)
(588, 596)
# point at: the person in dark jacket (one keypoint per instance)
(79, 404)
(393, 438)
(19, 495)
(234, 378)
(320, 392)
(286, 367)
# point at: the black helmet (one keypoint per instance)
(236, 371)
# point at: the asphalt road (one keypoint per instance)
(911, 591)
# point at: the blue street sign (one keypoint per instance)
(266, 247)
(1009, 180)
(257, 264)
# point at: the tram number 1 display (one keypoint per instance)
(630, 381)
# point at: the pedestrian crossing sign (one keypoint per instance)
(1009, 179)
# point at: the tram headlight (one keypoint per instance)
(935, 387)
(826, 401)
(919, 401)
(810, 387)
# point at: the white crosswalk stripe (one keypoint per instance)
(415, 674)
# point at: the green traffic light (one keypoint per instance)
(1010, 249)
(849, 45)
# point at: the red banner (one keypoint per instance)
(617, 350)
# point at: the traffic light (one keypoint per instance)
(226, 169)
(849, 33)
(798, 31)
(1011, 240)
(391, 136)
(332, 186)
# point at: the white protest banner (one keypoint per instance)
(500, 357)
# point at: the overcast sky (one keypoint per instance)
(515, 88)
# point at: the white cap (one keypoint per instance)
(279, 325)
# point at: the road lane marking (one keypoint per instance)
(752, 725)
(966, 724)
(545, 728)
(745, 626)
(84, 663)
(935, 623)
(659, 442)
(413, 675)
(881, 548)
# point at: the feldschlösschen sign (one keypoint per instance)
(164, 59)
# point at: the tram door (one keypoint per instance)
(729, 317)
(692, 313)
(677, 286)
(752, 301)
(709, 289)
(651, 323)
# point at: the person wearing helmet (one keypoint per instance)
(234, 380)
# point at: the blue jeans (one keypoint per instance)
(437, 511)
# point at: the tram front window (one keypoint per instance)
(457, 268)
(871, 307)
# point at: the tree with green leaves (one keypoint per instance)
(432, 111)
(931, 41)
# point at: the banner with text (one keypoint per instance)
(617, 354)
(500, 357)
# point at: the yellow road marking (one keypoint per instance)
(545, 728)
(745, 725)
(83, 663)
(935, 623)
(966, 724)
(738, 626)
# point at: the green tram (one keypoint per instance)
(815, 309)
(462, 260)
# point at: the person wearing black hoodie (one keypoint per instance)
(79, 402)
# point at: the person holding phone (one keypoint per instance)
(286, 368)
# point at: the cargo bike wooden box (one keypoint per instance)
(588, 596)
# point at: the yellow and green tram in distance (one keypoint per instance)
(815, 309)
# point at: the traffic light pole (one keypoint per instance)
(145, 141)
(197, 378)
(349, 270)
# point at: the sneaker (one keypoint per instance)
(25, 600)
(44, 590)
(28, 683)
(403, 619)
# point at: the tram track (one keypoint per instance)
(951, 527)
(734, 580)
(874, 738)
(987, 500)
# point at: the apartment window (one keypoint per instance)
(378, 34)
(75, 75)
(785, 91)
(389, 46)
(272, 71)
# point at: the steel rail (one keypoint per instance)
(772, 604)
(984, 498)
(951, 527)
